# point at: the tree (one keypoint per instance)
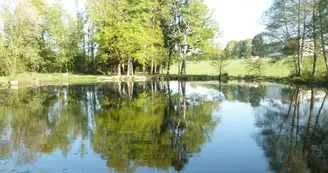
(219, 60)
(230, 49)
(323, 27)
(315, 37)
(127, 37)
(108, 37)
(194, 27)
(21, 28)
(284, 24)
(239, 49)
(255, 66)
(245, 48)
(259, 48)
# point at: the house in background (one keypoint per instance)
(277, 49)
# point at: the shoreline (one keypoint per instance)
(39, 79)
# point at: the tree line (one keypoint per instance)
(299, 29)
(296, 33)
(242, 49)
(108, 36)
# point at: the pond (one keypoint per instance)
(164, 126)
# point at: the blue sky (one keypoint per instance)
(238, 19)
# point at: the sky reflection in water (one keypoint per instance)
(164, 127)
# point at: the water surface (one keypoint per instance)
(159, 127)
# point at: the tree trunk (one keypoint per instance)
(315, 49)
(299, 51)
(295, 64)
(169, 63)
(294, 96)
(119, 68)
(291, 141)
(120, 88)
(220, 75)
(132, 68)
(123, 68)
(179, 70)
(184, 61)
(308, 127)
(323, 44)
(129, 67)
(161, 71)
(303, 41)
(183, 88)
(130, 90)
(152, 67)
(155, 68)
(320, 110)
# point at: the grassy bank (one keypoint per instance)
(235, 68)
(202, 71)
(238, 67)
(27, 79)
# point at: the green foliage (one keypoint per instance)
(231, 49)
(239, 49)
(259, 47)
(219, 60)
(245, 48)
(22, 29)
(299, 29)
(109, 36)
(39, 37)
(255, 66)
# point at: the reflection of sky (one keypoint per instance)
(197, 91)
(232, 148)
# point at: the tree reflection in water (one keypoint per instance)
(129, 125)
(160, 125)
(156, 129)
(294, 136)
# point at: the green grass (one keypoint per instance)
(280, 69)
(235, 68)
(45, 78)
(198, 71)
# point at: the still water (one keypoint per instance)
(189, 127)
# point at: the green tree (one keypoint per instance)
(323, 27)
(230, 49)
(109, 37)
(291, 22)
(21, 28)
(219, 60)
(259, 48)
(245, 48)
(194, 27)
(255, 66)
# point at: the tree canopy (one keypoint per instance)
(107, 37)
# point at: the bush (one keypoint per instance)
(299, 80)
(224, 77)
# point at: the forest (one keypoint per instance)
(114, 37)
(106, 37)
